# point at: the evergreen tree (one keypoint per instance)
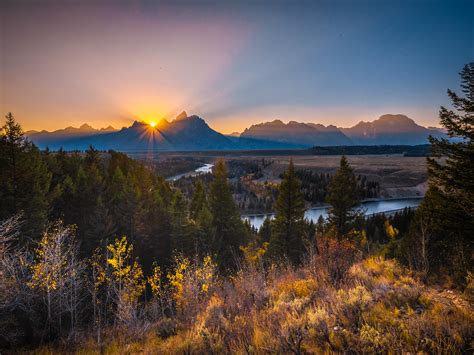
(156, 242)
(89, 187)
(182, 236)
(99, 228)
(124, 202)
(455, 177)
(265, 231)
(199, 212)
(24, 179)
(228, 229)
(204, 231)
(198, 201)
(343, 197)
(288, 227)
(440, 238)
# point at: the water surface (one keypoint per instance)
(368, 208)
(205, 169)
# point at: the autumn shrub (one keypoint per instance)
(192, 283)
(336, 256)
(246, 290)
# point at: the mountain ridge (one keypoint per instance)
(191, 132)
(390, 129)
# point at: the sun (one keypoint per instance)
(153, 124)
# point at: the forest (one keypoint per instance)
(99, 253)
(254, 196)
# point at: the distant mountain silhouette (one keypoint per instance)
(85, 129)
(62, 136)
(307, 134)
(183, 133)
(391, 130)
(192, 133)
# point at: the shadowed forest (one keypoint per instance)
(99, 253)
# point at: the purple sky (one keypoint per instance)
(233, 63)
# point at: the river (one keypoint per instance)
(205, 169)
(368, 207)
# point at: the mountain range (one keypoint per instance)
(193, 133)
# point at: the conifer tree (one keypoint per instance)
(156, 242)
(204, 231)
(182, 237)
(440, 238)
(228, 229)
(265, 231)
(24, 179)
(201, 215)
(343, 198)
(198, 201)
(288, 228)
(456, 176)
(124, 202)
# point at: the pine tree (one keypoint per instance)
(343, 198)
(440, 238)
(228, 229)
(288, 228)
(456, 176)
(24, 179)
(124, 201)
(198, 201)
(204, 231)
(265, 231)
(156, 242)
(182, 237)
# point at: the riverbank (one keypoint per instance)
(204, 169)
(368, 208)
(326, 206)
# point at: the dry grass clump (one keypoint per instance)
(378, 307)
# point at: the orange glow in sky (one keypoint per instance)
(232, 63)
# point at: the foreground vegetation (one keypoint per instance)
(98, 253)
(376, 307)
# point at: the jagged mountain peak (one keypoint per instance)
(108, 128)
(184, 133)
(86, 127)
(181, 116)
(306, 134)
(389, 129)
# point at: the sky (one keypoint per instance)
(234, 63)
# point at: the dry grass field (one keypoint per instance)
(397, 175)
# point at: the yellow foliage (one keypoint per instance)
(372, 339)
(155, 281)
(391, 231)
(187, 278)
(297, 288)
(357, 296)
(176, 279)
(50, 259)
(121, 253)
(127, 276)
(253, 254)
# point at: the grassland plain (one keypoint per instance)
(399, 176)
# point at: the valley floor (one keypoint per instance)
(398, 176)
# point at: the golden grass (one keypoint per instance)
(380, 307)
